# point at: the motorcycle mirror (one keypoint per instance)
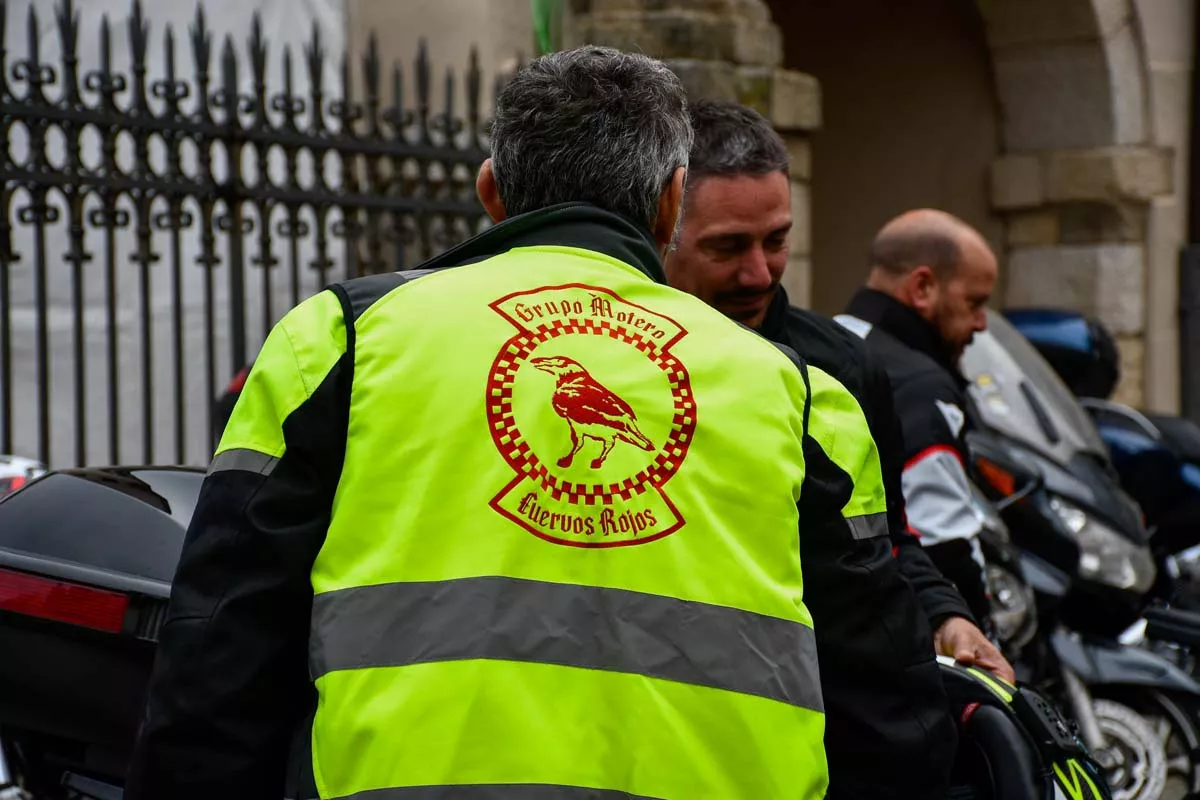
(1106, 411)
(1079, 348)
(1034, 483)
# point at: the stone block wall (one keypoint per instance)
(723, 50)
(1095, 103)
(1076, 237)
(1094, 123)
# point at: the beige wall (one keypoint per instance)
(501, 29)
(909, 119)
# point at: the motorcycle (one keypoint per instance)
(1018, 740)
(86, 562)
(1157, 459)
(1086, 556)
(1156, 456)
(16, 471)
(1013, 602)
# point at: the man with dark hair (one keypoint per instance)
(504, 527)
(926, 297)
(888, 729)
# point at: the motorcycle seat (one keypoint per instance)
(1181, 434)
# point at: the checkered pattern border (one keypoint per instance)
(517, 453)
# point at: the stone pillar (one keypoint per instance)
(1094, 96)
(723, 50)
(1076, 238)
(1167, 30)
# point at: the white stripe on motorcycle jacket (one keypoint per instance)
(937, 495)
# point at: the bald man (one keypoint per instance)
(925, 299)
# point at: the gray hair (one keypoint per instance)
(591, 125)
(732, 139)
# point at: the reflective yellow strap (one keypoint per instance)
(486, 721)
(494, 791)
(995, 684)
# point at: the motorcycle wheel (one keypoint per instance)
(1134, 761)
(1175, 719)
(1177, 729)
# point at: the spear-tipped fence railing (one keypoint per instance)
(156, 220)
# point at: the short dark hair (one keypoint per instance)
(731, 139)
(901, 250)
(591, 125)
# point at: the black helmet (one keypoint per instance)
(1080, 349)
(1013, 744)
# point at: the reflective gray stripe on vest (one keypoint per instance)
(244, 460)
(411, 275)
(398, 624)
(498, 791)
(868, 526)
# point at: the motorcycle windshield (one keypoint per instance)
(1018, 394)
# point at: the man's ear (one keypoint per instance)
(670, 204)
(920, 288)
(489, 192)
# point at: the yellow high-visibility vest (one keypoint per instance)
(563, 558)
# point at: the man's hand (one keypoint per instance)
(961, 640)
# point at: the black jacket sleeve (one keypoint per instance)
(886, 709)
(937, 595)
(230, 684)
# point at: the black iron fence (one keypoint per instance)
(156, 221)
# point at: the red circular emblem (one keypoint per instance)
(593, 413)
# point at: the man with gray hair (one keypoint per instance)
(889, 733)
(521, 523)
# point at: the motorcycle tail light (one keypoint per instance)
(10, 485)
(72, 603)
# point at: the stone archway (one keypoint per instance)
(1067, 72)
(909, 119)
(1094, 121)
(1085, 184)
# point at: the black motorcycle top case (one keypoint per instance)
(116, 530)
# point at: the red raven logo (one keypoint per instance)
(591, 410)
(617, 502)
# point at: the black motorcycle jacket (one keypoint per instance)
(930, 403)
(889, 732)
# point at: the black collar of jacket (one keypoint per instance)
(890, 315)
(581, 225)
(774, 325)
